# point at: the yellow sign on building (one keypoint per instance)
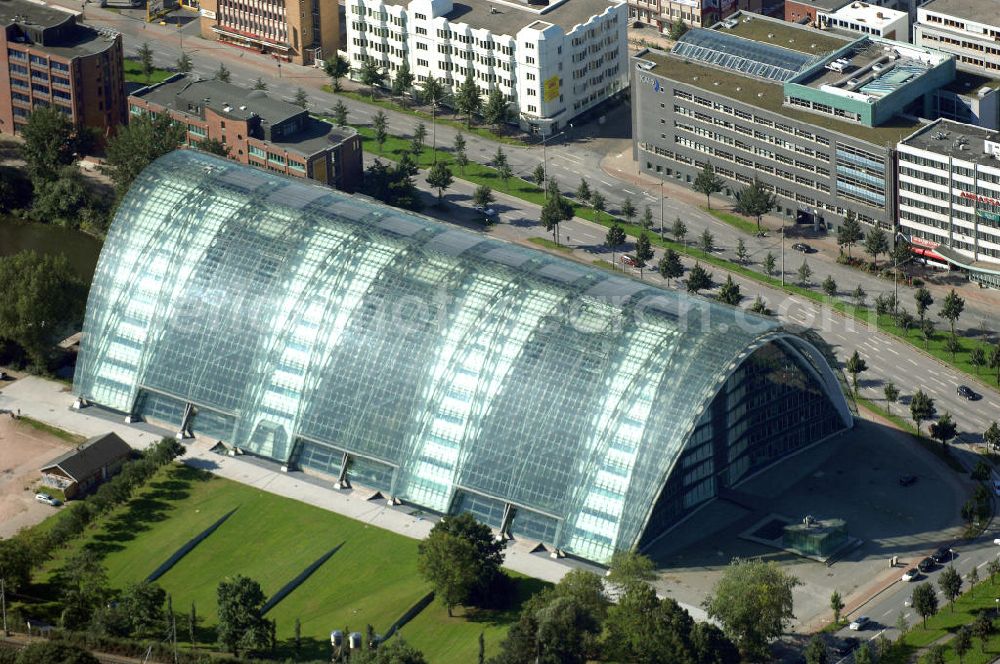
(551, 89)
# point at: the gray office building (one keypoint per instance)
(813, 115)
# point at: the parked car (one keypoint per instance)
(967, 392)
(803, 247)
(943, 554)
(926, 565)
(911, 574)
(859, 623)
(47, 499)
(907, 480)
(627, 260)
(847, 646)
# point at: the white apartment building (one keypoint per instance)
(969, 29)
(948, 176)
(553, 61)
(867, 19)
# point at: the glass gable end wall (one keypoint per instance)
(454, 370)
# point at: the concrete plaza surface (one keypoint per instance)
(853, 475)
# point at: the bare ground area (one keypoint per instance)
(23, 450)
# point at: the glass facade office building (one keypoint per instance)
(445, 368)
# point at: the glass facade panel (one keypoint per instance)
(458, 372)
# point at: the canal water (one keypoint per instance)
(80, 249)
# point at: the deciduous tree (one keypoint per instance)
(855, 365)
(42, 296)
(921, 408)
(830, 286)
(136, 145)
(461, 559)
(729, 293)
(708, 183)
(496, 109)
(371, 74)
(440, 177)
(753, 603)
(301, 98)
(670, 266)
(184, 65)
(876, 242)
(805, 273)
(837, 605)
(925, 601)
(380, 125)
(336, 68)
(50, 143)
(755, 200)
(614, 238)
(628, 210)
(402, 82)
(458, 149)
(679, 230)
(951, 309)
(891, 393)
(467, 99)
(849, 232)
(583, 191)
(698, 279)
(241, 626)
(340, 113)
(944, 429)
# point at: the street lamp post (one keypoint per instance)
(782, 231)
(661, 206)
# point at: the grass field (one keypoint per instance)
(967, 607)
(456, 639)
(371, 579)
(133, 73)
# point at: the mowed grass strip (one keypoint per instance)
(456, 639)
(137, 537)
(371, 579)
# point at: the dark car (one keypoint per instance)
(943, 555)
(907, 480)
(968, 393)
(926, 565)
(803, 247)
(847, 646)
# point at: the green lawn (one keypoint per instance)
(61, 434)
(456, 639)
(372, 578)
(967, 607)
(549, 244)
(133, 73)
(734, 220)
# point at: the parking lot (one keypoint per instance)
(853, 476)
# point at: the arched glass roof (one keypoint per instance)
(287, 312)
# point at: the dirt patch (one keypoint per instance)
(23, 450)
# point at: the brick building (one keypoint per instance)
(258, 129)
(47, 58)
(299, 31)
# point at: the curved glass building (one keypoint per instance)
(453, 371)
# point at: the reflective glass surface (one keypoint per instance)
(455, 370)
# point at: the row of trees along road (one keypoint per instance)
(467, 98)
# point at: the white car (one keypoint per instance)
(859, 623)
(911, 574)
(47, 499)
